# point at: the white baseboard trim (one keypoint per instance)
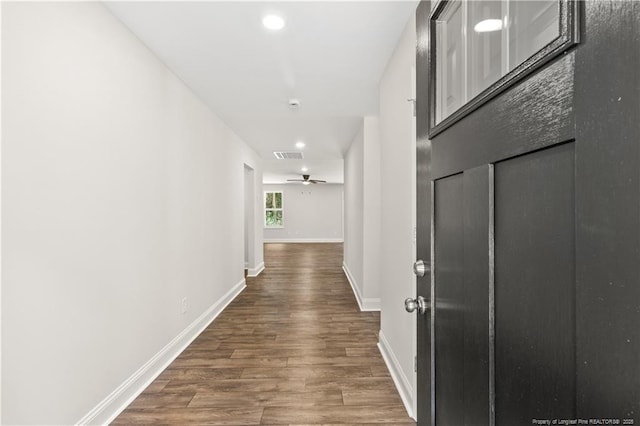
(109, 408)
(399, 378)
(304, 240)
(254, 272)
(365, 304)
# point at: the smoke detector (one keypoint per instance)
(294, 104)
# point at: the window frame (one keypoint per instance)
(273, 209)
(569, 36)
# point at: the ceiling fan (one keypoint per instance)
(306, 181)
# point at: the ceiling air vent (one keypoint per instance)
(280, 155)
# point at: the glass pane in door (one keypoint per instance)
(532, 25)
(485, 28)
(450, 51)
(479, 42)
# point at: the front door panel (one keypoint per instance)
(462, 298)
(535, 287)
(449, 301)
(504, 291)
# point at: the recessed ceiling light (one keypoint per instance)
(304, 169)
(273, 22)
(488, 25)
(300, 145)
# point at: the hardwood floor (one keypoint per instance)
(293, 348)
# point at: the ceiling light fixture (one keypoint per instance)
(300, 145)
(488, 25)
(273, 22)
(306, 183)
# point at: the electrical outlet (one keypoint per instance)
(184, 305)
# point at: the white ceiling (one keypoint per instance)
(330, 55)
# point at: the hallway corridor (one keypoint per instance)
(293, 348)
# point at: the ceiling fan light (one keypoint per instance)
(306, 182)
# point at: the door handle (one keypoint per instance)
(420, 268)
(420, 304)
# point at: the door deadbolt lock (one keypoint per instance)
(420, 304)
(420, 268)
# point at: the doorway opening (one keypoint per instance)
(249, 220)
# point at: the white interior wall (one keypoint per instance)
(312, 213)
(255, 222)
(122, 194)
(371, 214)
(362, 215)
(398, 189)
(353, 213)
(249, 216)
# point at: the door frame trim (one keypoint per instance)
(432, 311)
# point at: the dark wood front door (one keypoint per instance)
(529, 215)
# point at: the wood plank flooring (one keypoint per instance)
(293, 348)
